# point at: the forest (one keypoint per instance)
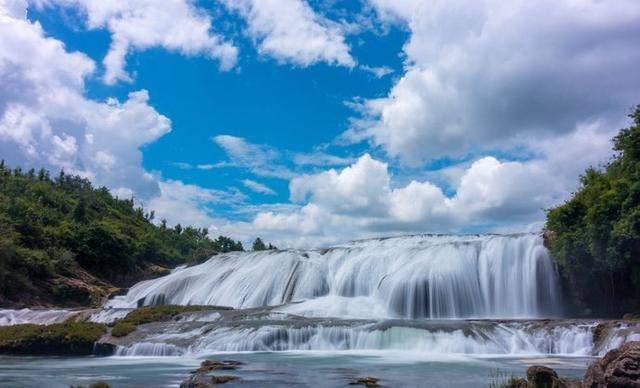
(65, 241)
(595, 235)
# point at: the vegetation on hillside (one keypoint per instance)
(595, 235)
(53, 228)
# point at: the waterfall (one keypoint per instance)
(425, 276)
(411, 338)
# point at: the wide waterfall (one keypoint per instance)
(425, 276)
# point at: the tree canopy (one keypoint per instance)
(50, 227)
(259, 245)
(595, 235)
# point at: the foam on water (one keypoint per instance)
(471, 339)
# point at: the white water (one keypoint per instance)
(443, 339)
(43, 317)
(486, 276)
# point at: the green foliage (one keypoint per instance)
(49, 227)
(595, 236)
(150, 314)
(259, 245)
(61, 338)
(121, 329)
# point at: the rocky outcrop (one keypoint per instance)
(366, 381)
(619, 368)
(202, 378)
(539, 376)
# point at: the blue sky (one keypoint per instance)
(315, 122)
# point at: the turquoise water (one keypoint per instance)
(286, 369)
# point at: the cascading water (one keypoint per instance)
(479, 276)
(424, 296)
(42, 317)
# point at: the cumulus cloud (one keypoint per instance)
(45, 119)
(490, 194)
(258, 187)
(175, 25)
(494, 75)
(186, 204)
(291, 32)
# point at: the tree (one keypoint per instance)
(258, 245)
(53, 230)
(595, 235)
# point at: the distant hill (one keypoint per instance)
(64, 242)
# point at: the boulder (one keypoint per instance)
(211, 365)
(539, 376)
(619, 368)
(366, 381)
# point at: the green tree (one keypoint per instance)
(53, 230)
(595, 235)
(258, 245)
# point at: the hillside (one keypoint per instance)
(595, 235)
(64, 242)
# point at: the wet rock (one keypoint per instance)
(201, 378)
(223, 379)
(197, 380)
(366, 381)
(619, 368)
(104, 349)
(212, 365)
(540, 376)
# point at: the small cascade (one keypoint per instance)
(480, 276)
(42, 317)
(149, 349)
(464, 338)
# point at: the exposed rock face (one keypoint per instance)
(619, 368)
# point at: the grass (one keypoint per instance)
(150, 314)
(500, 379)
(62, 338)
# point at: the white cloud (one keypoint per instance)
(260, 159)
(185, 204)
(377, 71)
(319, 158)
(258, 187)
(493, 75)
(362, 200)
(361, 188)
(290, 31)
(175, 25)
(46, 121)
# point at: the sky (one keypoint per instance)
(309, 123)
